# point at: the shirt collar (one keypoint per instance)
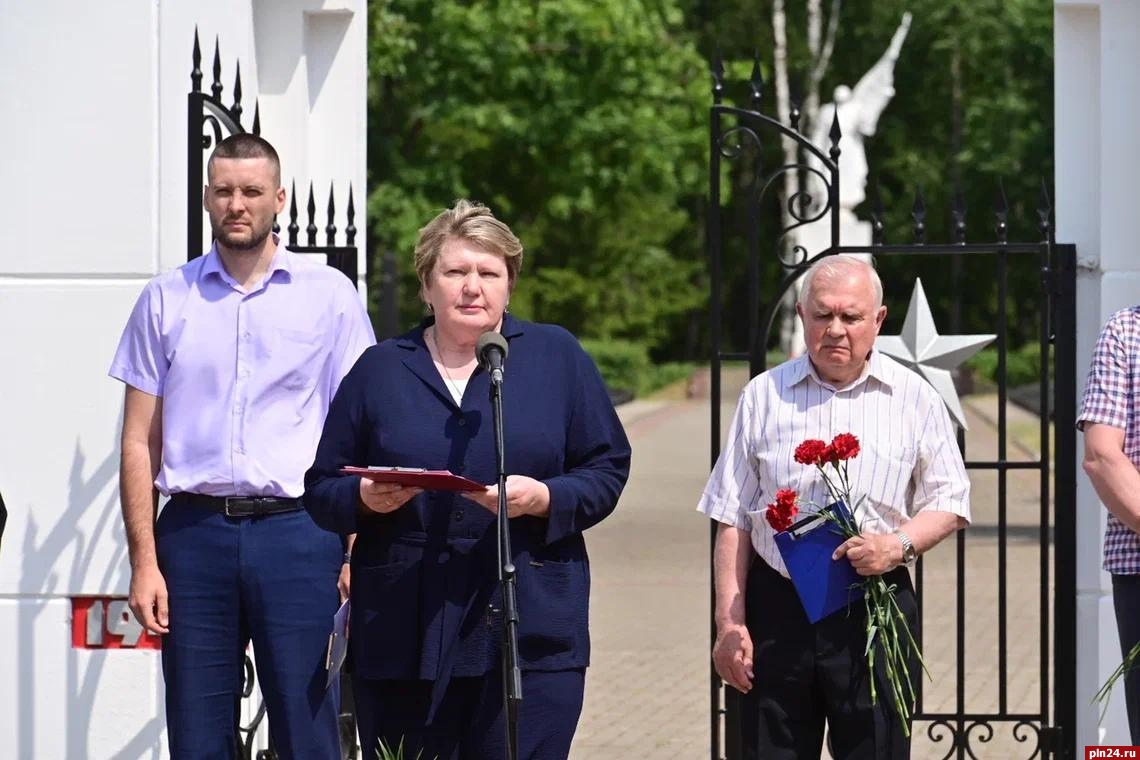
(212, 263)
(876, 366)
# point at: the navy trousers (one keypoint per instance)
(806, 675)
(1126, 602)
(469, 723)
(270, 580)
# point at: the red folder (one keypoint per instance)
(429, 480)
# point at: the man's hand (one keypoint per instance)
(386, 497)
(732, 656)
(149, 600)
(872, 554)
(525, 496)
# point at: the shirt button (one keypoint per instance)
(458, 515)
(462, 421)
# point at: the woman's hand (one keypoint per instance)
(344, 581)
(525, 496)
(386, 497)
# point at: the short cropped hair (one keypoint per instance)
(840, 265)
(473, 222)
(245, 145)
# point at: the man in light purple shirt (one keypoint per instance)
(230, 363)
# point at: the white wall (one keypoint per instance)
(1097, 105)
(93, 204)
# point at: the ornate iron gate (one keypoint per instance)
(208, 121)
(208, 110)
(969, 720)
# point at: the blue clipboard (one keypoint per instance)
(338, 643)
(824, 585)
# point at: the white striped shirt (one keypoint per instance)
(908, 462)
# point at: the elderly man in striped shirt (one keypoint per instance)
(795, 675)
(1110, 419)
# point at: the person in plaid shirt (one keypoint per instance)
(1110, 420)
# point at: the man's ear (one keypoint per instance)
(205, 196)
(280, 199)
(880, 317)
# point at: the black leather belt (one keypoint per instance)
(241, 506)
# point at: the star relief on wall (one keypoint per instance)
(922, 349)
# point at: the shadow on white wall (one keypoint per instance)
(75, 535)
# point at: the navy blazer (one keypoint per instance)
(424, 578)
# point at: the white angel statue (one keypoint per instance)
(859, 109)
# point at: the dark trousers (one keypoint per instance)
(268, 579)
(806, 675)
(1126, 602)
(469, 723)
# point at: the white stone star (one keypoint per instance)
(922, 349)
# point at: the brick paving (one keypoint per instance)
(647, 691)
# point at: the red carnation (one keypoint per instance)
(777, 520)
(845, 446)
(782, 510)
(829, 456)
(786, 498)
(811, 451)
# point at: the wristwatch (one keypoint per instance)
(909, 554)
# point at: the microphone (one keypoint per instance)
(491, 350)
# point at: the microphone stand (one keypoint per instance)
(512, 673)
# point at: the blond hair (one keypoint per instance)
(473, 222)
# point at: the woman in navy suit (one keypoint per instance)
(425, 626)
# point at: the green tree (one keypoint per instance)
(581, 123)
(974, 104)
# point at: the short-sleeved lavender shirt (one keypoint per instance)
(1112, 397)
(245, 378)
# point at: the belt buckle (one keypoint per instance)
(234, 500)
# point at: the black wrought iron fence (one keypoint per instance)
(209, 120)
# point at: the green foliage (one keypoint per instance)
(1022, 366)
(623, 364)
(973, 103)
(581, 123)
(662, 375)
(384, 752)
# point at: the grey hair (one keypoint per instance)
(834, 267)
